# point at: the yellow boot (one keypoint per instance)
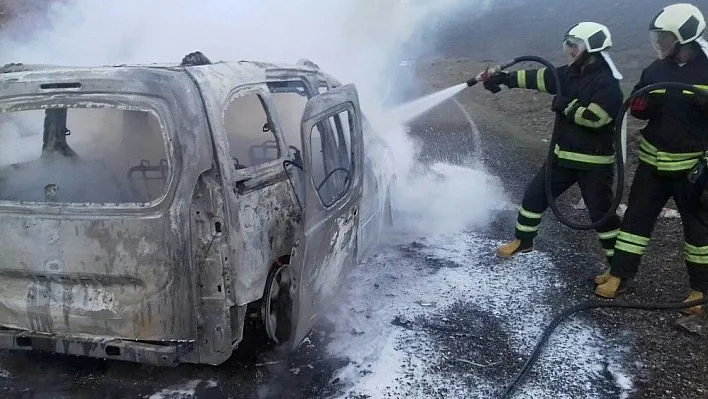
(515, 247)
(610, 288)
(693, 296)
(603, 278)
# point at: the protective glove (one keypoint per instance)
(645, 105)
(493, 81)
(639, 104)
(560, 103)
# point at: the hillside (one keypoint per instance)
(535, 27)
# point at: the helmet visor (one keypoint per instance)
(663, 42)
(573, 48)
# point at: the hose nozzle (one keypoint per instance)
(483, 76)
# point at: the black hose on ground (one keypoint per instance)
(511, 388)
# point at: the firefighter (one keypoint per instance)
(584, 153)
(671, 144)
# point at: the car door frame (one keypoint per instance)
(327, 244)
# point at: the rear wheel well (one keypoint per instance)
(276, 303)
(279, 261)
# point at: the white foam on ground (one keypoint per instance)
(392, 361)
(622, 379)
(576, 353)
(183, 391)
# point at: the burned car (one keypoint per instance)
(147, 208)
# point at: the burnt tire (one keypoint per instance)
(277, 305)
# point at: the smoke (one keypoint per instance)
(350, 38)
(357, 41)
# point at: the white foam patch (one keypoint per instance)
(388, 360)
(183, 391)
(578, 352)
(623, 381)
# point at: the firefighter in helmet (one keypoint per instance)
(672, 143)
(584, 154)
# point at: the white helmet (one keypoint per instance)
(595, 37)
(676, 24)
(591, 37)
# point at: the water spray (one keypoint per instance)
(405, 112)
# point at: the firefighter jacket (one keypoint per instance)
(677, 132)
(586, 129)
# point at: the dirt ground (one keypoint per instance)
(673, 362)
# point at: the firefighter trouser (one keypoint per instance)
(596, 188)
(647, 197)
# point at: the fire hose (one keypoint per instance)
(619, 161)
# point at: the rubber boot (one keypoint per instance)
(611, 287)
(603, 278)
(693, 296)
(515, 247)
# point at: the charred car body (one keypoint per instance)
(146, 208)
